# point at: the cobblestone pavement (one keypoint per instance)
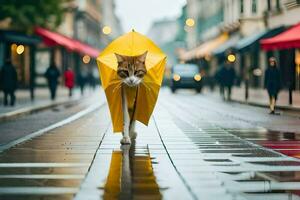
(195, 147)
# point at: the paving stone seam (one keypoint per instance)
(245, 140)
(173, 164)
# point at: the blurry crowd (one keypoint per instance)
(226, 78)
(9, 81)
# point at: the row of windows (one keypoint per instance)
(254, 5)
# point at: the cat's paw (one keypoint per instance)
(133, 135)
(125, 141)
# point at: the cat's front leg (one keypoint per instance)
(126, 118)
(132, 132)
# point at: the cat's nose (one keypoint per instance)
(131, 80)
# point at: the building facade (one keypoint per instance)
(207, 15)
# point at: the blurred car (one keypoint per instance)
(186, 76)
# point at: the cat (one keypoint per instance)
(131, 70)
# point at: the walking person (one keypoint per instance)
(272, 83)
(52, 74)
(69, 80)
(218, 78)
(82, 79)
(226, 77)
(8, 82)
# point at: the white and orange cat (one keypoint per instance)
(131, 70)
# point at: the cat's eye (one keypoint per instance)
(139, 73)
(123, 73)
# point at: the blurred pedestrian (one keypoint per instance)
(272, 83)
(91, 80)
(52, 74)
(82, 80)
(69, 80)
(226, 77)
(219, 81)
(8, 82)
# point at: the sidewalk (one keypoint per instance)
(259, 97)
(24, 105)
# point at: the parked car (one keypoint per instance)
(186, 76)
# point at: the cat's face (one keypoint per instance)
(131, 69)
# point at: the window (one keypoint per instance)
(269, 5)
(242, 6)
(278, 5)
(254, 6)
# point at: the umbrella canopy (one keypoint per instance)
(145, 95)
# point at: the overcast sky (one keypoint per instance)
(139, 14)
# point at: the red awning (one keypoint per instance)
(87, 49)
(53, 39)
(286, 40)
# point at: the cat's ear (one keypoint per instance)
(120, 58)
(142, 57)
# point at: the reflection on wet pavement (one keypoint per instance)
(182, 154)
(287, 143)
(226, 158)
(140, 171)
(131, 176)
(53, 165)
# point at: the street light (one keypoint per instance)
(20, 49)
(86, 59)
(190, 22)
(106, 30)
(231, 58)
(14, 47)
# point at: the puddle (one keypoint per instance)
(131, 175)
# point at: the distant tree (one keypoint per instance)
(26, 14)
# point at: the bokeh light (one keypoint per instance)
(20, 49)
(176, 77)
(197, 77)
(86, 59)
(190, 22)
(231, 58)
(106, 30)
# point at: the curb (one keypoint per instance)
(281, 107)
(51, 127)
(29, 110)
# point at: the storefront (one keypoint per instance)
(20, 49)
(251, 61)
(286, 45)
(66, 52)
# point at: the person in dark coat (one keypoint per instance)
(8, 82)
(82, 79)
(226, 77)
(52, 74)
(272, 83)
(218, 78)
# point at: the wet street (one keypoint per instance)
(195, 147)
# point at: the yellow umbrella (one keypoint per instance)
(145, 96)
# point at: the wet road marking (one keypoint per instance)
(42, 176)
(37, 190)
(51, 165)
(5, 165)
